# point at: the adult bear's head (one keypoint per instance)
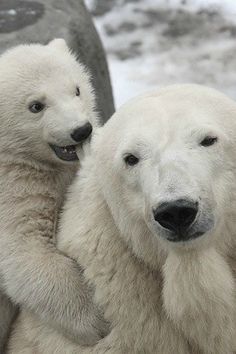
(46, 103)
(166, 166)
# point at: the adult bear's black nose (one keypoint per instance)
(176, 216)
(82, 133)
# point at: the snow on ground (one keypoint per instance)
(152, 43)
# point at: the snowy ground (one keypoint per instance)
(153, 43)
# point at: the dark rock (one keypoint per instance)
(125, 27)
(29, 21)
(183, 23)
(101, 7)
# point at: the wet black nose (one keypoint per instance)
(82, 133)
(176, 216)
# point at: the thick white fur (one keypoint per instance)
(33, 181)
(160, 297)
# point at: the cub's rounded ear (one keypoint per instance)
(59, 43)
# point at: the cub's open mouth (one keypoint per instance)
(65, 153)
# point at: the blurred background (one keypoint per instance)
(153, 43)
(148, 43)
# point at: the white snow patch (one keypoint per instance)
(12, 12)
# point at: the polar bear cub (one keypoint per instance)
(152, 222)
(46, 111)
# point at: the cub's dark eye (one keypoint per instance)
(36, 107)
(208, 141)
(131, 160)
(77, 91)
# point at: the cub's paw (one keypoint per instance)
(92, 327)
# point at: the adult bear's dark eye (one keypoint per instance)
(208, 141)
(36, 107)
(77, 91)
(131, 160)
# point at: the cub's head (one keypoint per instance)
(166, 165)
(46, 103)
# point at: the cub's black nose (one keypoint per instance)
(176, 216)
(82, 133)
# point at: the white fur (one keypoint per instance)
(33, 181)
(160, 297)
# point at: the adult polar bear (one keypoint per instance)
(46, 110)
(151, 220)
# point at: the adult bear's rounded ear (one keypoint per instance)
(59, 43)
